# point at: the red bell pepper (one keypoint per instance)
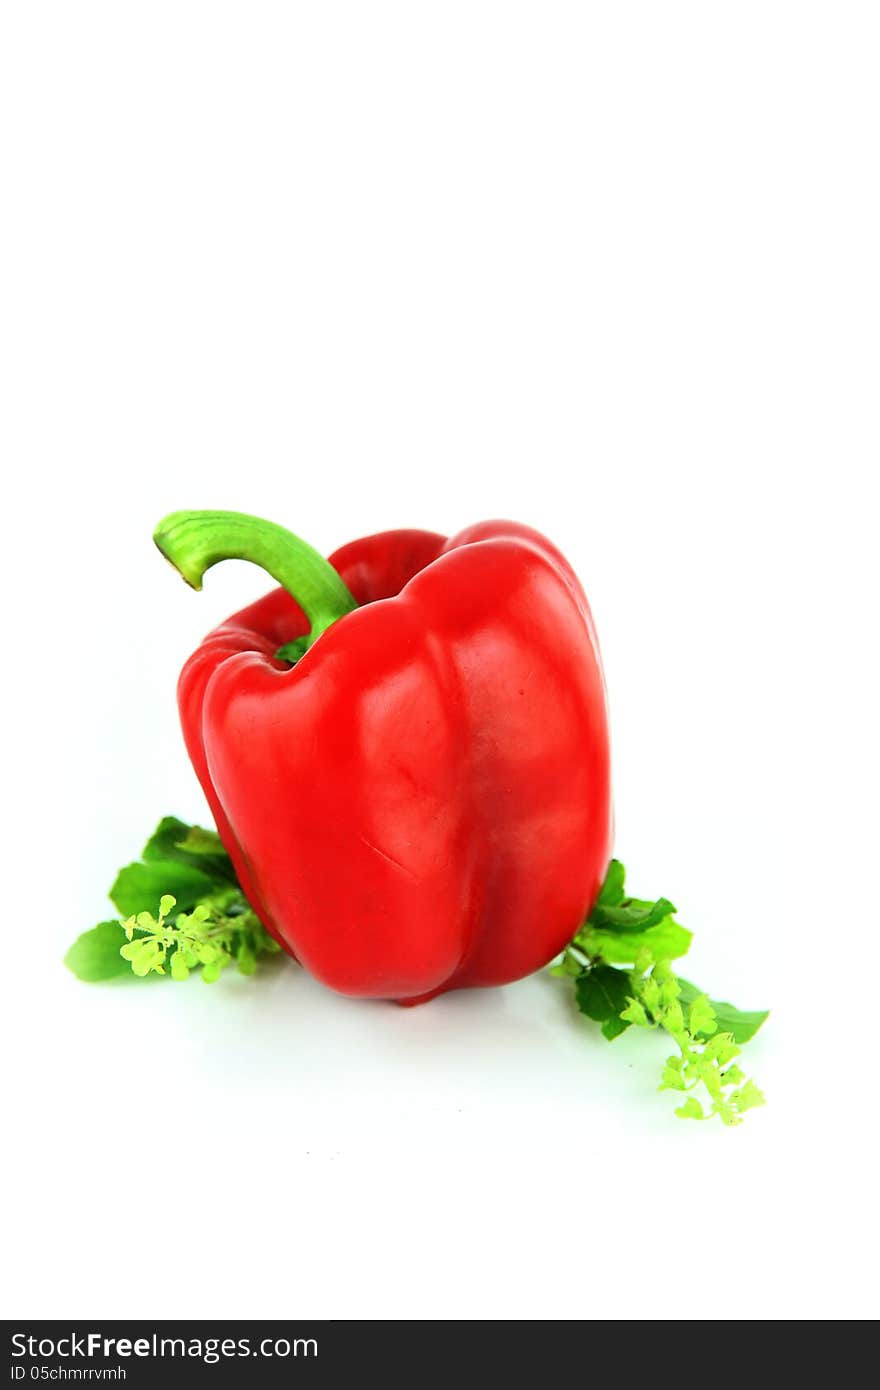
(405, 749)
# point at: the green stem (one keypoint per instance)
(194, 541)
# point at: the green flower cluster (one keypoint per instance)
(644, 936)
(204, 921)
(207, 937)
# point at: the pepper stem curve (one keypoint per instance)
(194, 541)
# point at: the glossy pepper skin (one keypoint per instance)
(422, 802)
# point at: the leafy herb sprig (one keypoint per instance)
(204, 922)
(709, 1034)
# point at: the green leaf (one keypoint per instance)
(567, 968)
(246, 960)
(742, 1025)
(200, 841)
(179, 967)
(701, 1016)
(611, 892)
(631, 915)
(613, 1027)
(142, 967)
(667, 940)
(672, 1019)
(691, 1110)
(139, 887)
(748, 1097)
(672, 1079)
(602, 994)
(635, 1013)
(95, 954)
(173, 840)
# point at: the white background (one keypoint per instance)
(608, 269)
